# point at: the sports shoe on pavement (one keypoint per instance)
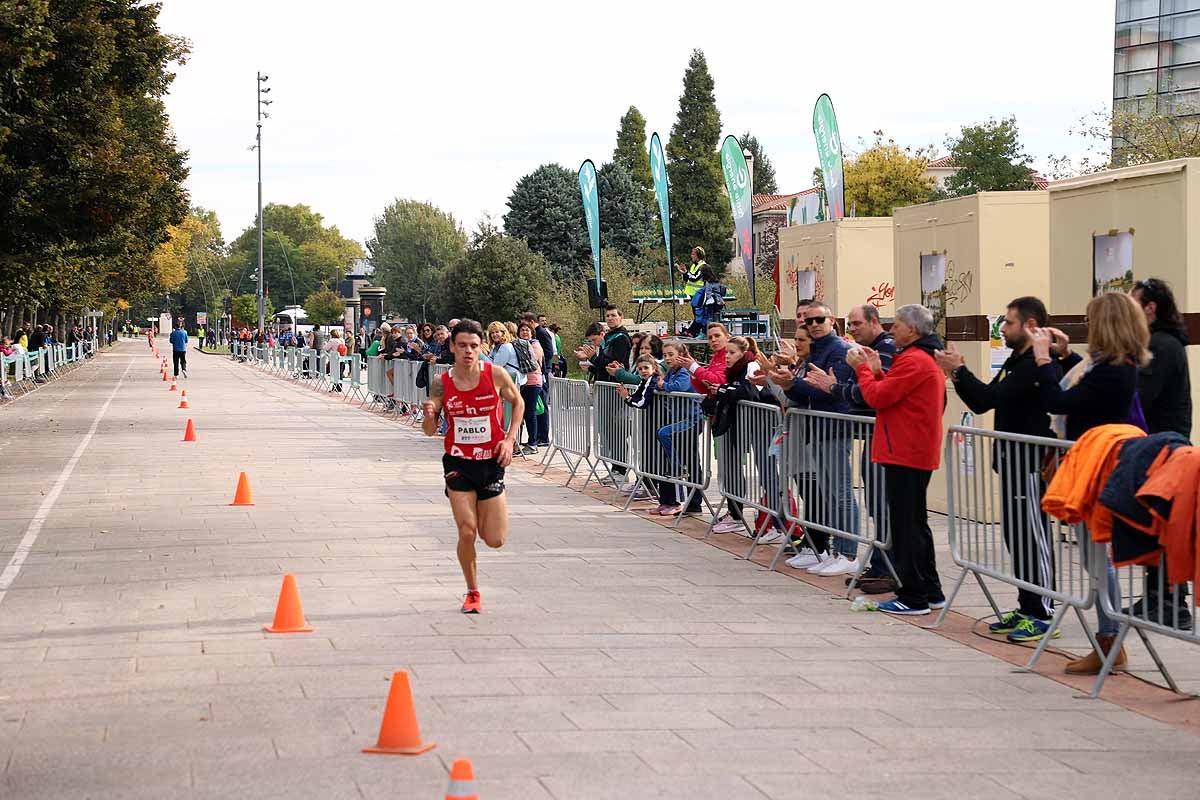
(729, 526)
(1007, 623)
(658, 511)
(804, 559)
(838, 565)
(878, 585)
(641, 494)
(770, 537)
(630, 488)
(1030, 629)
(668, 510)
(937, 603)
(897, 607)
(471, 604)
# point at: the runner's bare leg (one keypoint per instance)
(463, 504)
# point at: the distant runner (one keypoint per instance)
(477, 446)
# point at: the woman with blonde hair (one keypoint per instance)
(1097, 389)
(500, 351)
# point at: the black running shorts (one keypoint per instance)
(484, 478)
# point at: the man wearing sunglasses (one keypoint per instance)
(832, 441)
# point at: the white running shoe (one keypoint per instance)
(772, 536)
(804, 559)
(729, 526)
(838, 566)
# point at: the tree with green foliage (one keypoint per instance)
(324, 307)
(764, 170)
(700, 214)
(91, 178)
(499, 277)
(245, 310)
(546, 210)
(633, 152)
(1140, 130)
(413, 245)
(886, 176)
(626, 221)
(988, 158)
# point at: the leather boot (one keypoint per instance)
(1091, 663)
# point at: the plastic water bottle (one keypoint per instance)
(864, 603)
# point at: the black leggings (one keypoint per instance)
(179, 361)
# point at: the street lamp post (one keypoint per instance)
(261, 101)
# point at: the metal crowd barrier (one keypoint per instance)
(1154, 607)
(673, 449)
(834, 489)
(749, 467)
(377, 390)
(570, 425)
(998, 530)
(615, 433)
(405, 392)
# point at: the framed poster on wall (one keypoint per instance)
(1112, 262)
(806, 285)
(933, 285)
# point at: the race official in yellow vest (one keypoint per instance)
(691, 275)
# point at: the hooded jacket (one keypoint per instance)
(828, 353)
(1164, 385)
(908, 400)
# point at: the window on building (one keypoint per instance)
(1181, 51)
(1135, 33)
(1136, 9)
(1183, 104)
(1132, 59)
(1135, 105)
(1179, 78)
(1181, 26)
(1175, 6)
(1135, 83)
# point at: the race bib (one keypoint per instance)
(472, 430)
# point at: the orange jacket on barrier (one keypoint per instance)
(1074, 493)
(1176, 481)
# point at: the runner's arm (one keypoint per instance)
(432, 408)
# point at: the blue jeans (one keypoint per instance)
(1104, 623)
(836, 476)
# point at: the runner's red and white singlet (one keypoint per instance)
(475, 418)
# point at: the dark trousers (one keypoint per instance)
(912, 541)
(530, 395)
(1027, 530)
(544, 425)
(179, 361)
(876, 493)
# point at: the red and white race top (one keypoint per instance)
(474, 418)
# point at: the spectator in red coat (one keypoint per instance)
(909, 400)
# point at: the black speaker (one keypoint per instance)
(597, 299)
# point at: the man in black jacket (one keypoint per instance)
(616, 346)
(546, 339)
(1165, 390)
(1013, 394)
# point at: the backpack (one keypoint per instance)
(714, 295)
(525, 362)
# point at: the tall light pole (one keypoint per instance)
(260, 92)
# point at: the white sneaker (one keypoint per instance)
(729, 526)
(630, 488)
(772, 536)
(804, 559)
(839, 566)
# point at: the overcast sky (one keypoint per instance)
(452, 102)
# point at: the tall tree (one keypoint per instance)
(546, 210)
(626, 224)
(700, 209)
(633, 152)
(989, 158)
(324, 307)
(764, 170)
(499, 277)
(413, 245)
(91, 178)
(885, 176)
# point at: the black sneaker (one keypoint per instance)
(878, 585)
(1148, 609)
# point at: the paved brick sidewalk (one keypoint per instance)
(615, 658)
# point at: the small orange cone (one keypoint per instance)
(242, 496)
(173, 387)
(164, 374)
(189, 433)
(462, 781)
(399, 734)
(183, 403)
(289, 617)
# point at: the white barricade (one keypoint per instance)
(570, 424)
(998, 530)
(673, 449)
(748, 468)
(615, 432)
(376, 380)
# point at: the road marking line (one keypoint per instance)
(39, 519)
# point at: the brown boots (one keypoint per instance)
(1091, 663)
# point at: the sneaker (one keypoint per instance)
(770, 537)
(658, 511)
(669, 510)
(839, 565)
(879, 586)
(471, 604)
(630, 488)
(185, 373)
(729, 526)
(1007, 623)
(1030, 629)
(641, 494)
(1149, 611)
(937, 604)
(804, 559)
(901, 609)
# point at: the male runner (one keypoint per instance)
(472, 395)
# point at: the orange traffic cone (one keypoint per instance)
(289, 617)
(242, 496)
(400, 735)
(183, 403)
(462, 781)
(173, 387)
(164, 374)
(189, 433)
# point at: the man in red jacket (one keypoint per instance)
(909, 400)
